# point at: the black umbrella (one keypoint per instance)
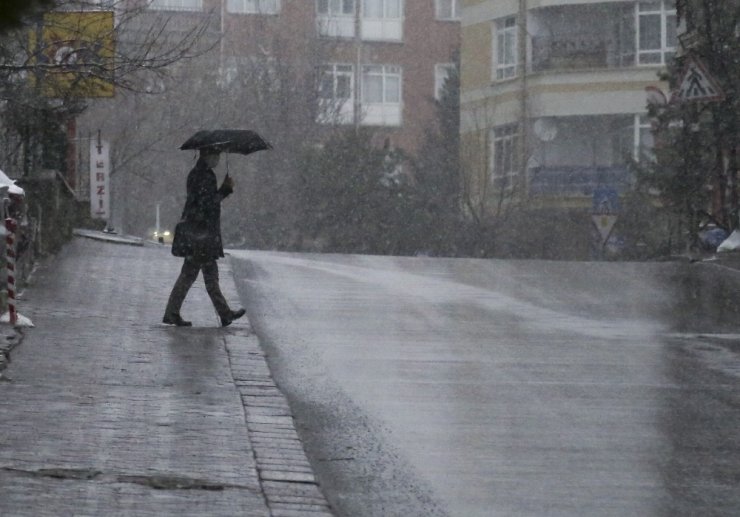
(242, 141)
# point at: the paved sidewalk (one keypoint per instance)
(105, 411)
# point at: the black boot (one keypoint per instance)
(233, 315)
(175, 319)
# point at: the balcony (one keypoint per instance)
(550, 53)
(583, 37)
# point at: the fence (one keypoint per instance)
(45, 223)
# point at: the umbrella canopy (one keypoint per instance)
(242, 141)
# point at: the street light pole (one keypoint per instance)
(358, 64)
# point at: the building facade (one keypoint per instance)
(377, 63)
(553, 101)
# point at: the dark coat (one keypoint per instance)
(203, 205)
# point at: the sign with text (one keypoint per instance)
(99, 179)
(73, 52)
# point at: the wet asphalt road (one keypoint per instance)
(481, 388)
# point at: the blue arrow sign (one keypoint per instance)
(606, 201)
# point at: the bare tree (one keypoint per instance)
(268, 84)
(46, 80)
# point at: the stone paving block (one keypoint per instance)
(267, 428)
(250, 391)
(288, 488)
(293, 499)
(277, 444)
(244, 375)
(265, 449)
(278, 475)
(299, 513)
(277, 421)
(276, 402)
(260, 391)
(280, 454)
(296, 461)
(283, 434)
(276, 427)
(280, 432)
(258, 383)
(245, 361)
(284, 468)
(277, 438)
(308, 508)
(271, 411)
(287, 460)
(283, 464)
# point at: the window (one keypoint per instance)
(441, 72)
(257, 75)
(253, 6)
(336, 18)
(626, 36)
(448, 9)
(381, 84)
(643, 139)
(335, 82)
(336, 94)
(381, 95)
(336, 7)
(382, 20)
(504, 156)
(177, 5)
(656, 32)
(381, 8)
(506, 48)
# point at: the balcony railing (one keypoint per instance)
(577, 52)
(577, 180)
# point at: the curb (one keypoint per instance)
(108, 237)
(285, 474)
(287, 479)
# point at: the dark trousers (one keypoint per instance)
(188, 274)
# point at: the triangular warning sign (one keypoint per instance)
(605, 224)
(697, 84)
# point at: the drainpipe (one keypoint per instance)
(522, 65)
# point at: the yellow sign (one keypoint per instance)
(73, 54)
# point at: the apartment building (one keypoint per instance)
(554, 94)
(378, 63)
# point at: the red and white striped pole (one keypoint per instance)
(11, 227)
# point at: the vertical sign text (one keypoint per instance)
(99, 179)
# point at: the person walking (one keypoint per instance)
(203, 206)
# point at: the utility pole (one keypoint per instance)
(358, 65)
(221, 71)
(522, 70)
